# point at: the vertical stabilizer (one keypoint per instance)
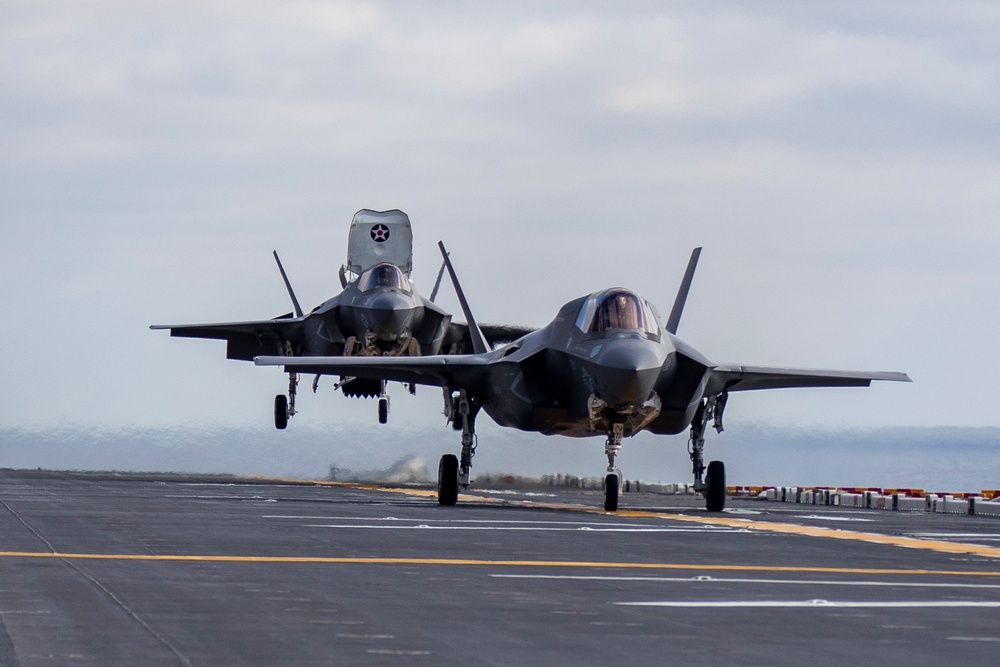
(288, 285)
(682, 292)
(479, 344)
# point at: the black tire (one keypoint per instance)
(383, 410)
(715, 486)
(612, 484)
(280, 412)
(448, 480)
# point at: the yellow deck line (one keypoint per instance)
(742, 523)
(833, 533)
(493, 563)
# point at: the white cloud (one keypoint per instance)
(736, 64)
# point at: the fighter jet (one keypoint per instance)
(378, 314)
(605, 366)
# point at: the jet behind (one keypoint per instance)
(378, 313)
(604, 366)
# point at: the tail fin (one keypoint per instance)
(288, 285)
(437, 283)
(682, 292)
(479, 344)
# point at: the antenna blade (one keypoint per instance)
(288, 285)
(479, 345)
(682, 293)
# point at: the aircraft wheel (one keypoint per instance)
(715, 486)
(612, 483)
(448, 480)
(383, 410)
(280, 412)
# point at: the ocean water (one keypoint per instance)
(939, 458)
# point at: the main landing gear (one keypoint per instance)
(284, 407)
(383, 405)
(455, 472)
(713, 486)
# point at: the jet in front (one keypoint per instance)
(605, 366)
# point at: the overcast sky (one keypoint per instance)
(838, 161)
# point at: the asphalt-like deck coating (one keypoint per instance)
(105, 570)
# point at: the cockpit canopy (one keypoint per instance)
(383, 275)
(617, 308)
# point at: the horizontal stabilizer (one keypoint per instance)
(439, 370)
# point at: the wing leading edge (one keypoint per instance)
(246, 340)
(735, 377)
(223, 330)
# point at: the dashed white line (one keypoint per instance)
(585, 529)
(815, 604)
(718, 580)
(962, 535)
(394, 519)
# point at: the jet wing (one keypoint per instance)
(459, 337)
(499, 334)
(734, 377)
(246, 339)
(464, 370)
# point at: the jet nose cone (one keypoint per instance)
(626, 370)
(390, 314)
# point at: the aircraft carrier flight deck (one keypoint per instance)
(102, 569)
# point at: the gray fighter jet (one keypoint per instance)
(604, 366)
(378, 314)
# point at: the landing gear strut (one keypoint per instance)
(612, 481)
(452, 471)
(713, 486)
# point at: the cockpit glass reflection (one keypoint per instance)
(616, 309)
(383, 275)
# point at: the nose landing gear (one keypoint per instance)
(612, 481)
